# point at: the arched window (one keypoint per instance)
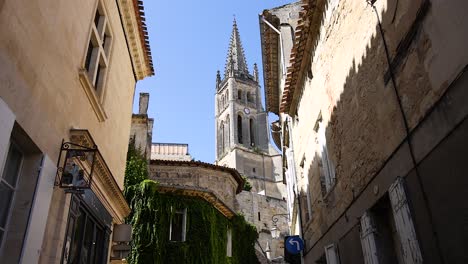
(223, 101)
(221, 130)
(239, 129)
(227, 133)
(252, 132)
(239, 94)
(249, 97)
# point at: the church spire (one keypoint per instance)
(235, 60)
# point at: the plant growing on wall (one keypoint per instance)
(136, 169)
(206, 228)
(247, 185)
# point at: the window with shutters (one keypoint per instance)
(387, 230)
(328, 176)
(331, 254)
(404, 226)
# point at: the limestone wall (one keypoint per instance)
(43, 48)
(352, 92)
(259, 211)
(222, 184)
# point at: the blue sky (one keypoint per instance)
(189, 41)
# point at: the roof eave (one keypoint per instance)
(134, 26)
(270, 64)
(306, 33)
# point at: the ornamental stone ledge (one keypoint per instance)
(103, 183)
(136, 38)
(215, 184)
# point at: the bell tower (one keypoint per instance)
(242, 143)
(242, 140)
(241, 121)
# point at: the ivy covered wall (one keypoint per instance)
(206, 227)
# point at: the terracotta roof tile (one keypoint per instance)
(140, 15)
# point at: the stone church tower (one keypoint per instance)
(242, 142)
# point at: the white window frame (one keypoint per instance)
(101, 38)
(328, 168)
(404, 223)
(13, 188)
(184, 224)
(368, 239)
(331, 254)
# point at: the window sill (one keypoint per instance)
(330, 190)
(92, 96)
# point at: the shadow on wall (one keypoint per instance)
(366, 125)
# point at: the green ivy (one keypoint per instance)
(247, 185)
(206, 229)
(136, 169)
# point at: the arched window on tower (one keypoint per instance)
(227, 97)
(239, 94)
(221, 130)
(227, 133)
(249, 97)
(239, 129)
(223, 102)
(252, 132)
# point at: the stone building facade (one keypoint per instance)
(242, 142)
(373, 121)
(68, 72)
(217, 185)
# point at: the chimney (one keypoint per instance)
(144, 99)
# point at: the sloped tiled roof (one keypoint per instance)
(143, 30)
(306, 33)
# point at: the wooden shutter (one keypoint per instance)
(331, 253)
(404, 223)
(368, 236)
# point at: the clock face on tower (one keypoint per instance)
(246, 110)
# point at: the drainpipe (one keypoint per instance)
(283, 63)
(405, 122)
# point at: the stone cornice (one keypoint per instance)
(133, 21)
(203, 193)
(103, 182)
(234, 173)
